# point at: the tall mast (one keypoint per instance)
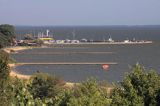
(74, 34)
(47, 33)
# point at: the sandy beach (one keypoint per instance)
(15, 49)
(13, 72)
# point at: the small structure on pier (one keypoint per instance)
(46, 38)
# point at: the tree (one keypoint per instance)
(28, 37)
(21, 94)
(38, 42)
(5, 94)
(3, 41)
(7, 35)
(139, 88)
(4, 71)
(7, 30)
(88, 94)
(4, 68)
(45, 85)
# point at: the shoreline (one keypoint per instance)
(13, 73)
(15, 49)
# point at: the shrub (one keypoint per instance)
(138, 88)
(5, 94)
(45, 85)
(88, 94)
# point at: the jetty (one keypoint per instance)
(69, 63)
(107, 43)
(52, 53)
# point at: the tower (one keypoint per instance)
(47, 32)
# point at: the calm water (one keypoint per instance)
(95, 32)
(124, 55)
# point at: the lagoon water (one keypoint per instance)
(125, 55)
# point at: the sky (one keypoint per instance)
(80, 12)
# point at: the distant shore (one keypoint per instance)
(107, 43)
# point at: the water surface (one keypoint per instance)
(124, 55)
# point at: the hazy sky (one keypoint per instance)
(80, 12)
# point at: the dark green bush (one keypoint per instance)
(45, 86)
(139, 88)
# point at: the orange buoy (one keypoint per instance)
(105, 66)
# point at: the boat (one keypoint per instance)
(105, 66)
(110, 39)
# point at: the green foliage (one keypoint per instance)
(22, 96)
(4, 68)
(7, 30)
(3, 40)
(4, 56)
(138, 88)
(5, 93)
(45, 85)
(7, 33)
(88, 94)
(63, 98)
(28, 37)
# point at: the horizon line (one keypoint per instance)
(80, 25)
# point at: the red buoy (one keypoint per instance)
(105, 66)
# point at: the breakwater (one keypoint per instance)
(69, 63)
